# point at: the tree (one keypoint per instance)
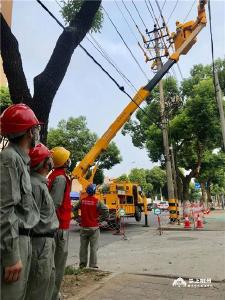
(157, 178)
(74, 135)
(193, 127)
(139, 176)
(212, 174)
(69, 8)
(5, 99)
(122, 177)
(46, 83)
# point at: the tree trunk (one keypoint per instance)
(204, 192)
(186, 183)
(47, 83)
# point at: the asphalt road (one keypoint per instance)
(132, 228)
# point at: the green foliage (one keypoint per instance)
(213, 170)
(193, 120)
(71, 7)
(157, 177)
(194, 194)
(99, 177)
(74, 135)
(123, 177)
(5, 99)
(139, 176)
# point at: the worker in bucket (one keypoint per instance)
(41, 280)
(60, 187)
(91, 208)
(19, 212)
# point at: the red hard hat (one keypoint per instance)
(38, 154)
(17, 118)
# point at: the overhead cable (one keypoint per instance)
(128, 48)
(172, 12)
(139, 14)
(104, 54)
(121, 88)
(212, 45)
(189, 10)
(150, 12)
(130, 28)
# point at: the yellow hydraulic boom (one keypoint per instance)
(184, 38)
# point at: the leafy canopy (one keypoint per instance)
(71, 7)
(5, 99)
(74, 135)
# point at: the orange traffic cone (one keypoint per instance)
(199, 224)
(187, 224)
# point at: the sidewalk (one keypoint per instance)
(215, 221)
(136, 287)
(145, 266)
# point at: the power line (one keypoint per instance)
(131, 30)
(121, 37)
(172, 12)
(109, 60)
(121, 88)
(212, 44)
(139, 14)
(152, 9)
(189, 10)
(129, 14)
(150, 12)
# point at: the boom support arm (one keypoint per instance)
(184, 40)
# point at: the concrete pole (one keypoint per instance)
(171, 198)
(219, 99)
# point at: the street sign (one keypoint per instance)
(157, 211)
(122, 212)
(197, 186)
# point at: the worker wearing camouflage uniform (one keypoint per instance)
(91, 208)
(60, 187)
(42, 272)
(19, 212)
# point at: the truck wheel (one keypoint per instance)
(137, 214)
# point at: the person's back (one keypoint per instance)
(19, 212)
(89, 212)
(91, 209)
(43, 244)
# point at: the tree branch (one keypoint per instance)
(12, 65)
(47, 83)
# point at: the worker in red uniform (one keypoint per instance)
(91, 208)
(60, 186)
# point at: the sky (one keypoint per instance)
(86, 90)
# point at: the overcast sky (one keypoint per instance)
(85, 89)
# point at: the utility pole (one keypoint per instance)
(219, 99)
(170, 187)
(175, 182)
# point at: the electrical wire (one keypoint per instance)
(129, 14)
(121, 88)
(107, 57)
(150, 12)
(189, 10)
(139, 14)
(212, 45)
(104, 54)
(128, 48)
(172, 12)
(130, 28)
